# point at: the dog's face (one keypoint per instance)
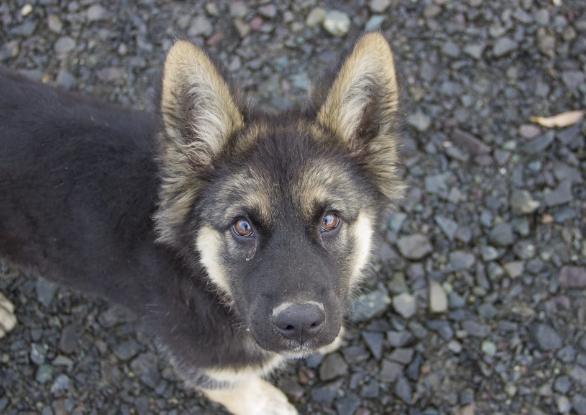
(280, 211)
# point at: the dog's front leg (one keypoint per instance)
(253, 396)
(7, 317)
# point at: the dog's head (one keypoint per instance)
(280, 211)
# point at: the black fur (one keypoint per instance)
(79, 186)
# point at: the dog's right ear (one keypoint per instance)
(200, 111)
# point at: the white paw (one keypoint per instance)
(7, 317)
(253, 397)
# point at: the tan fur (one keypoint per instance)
(366, 74)
(208, 243)
(7, 317)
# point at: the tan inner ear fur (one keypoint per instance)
(214, 115)
(370, 60)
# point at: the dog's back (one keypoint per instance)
(75, 175)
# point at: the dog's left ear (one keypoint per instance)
(360, 106)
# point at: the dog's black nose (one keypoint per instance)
(300, 322)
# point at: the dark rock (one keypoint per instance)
(402, 356)
(475, 328)
(566, 354)
(442, 328)
(562, 194)
(145, 367)
(390, 371)
(332, 367)
(69, 336)
(412, 370)
(347, 405)
(538, 144)
(44, 373)
(460, 260)
(414, 246)
(370, 389)
(504, 46)
(545, 337)
(447, 225)
(291, 388)
(326, 393)
(474, 146)
(502, 235)
(562, 384)
(579, 404)
(399, 338)
(374, 341)
(127, 350)
(572, 277)
(404, 391)
(38, 354)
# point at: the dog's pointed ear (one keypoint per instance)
(199, 107)
(200, 111)
(360, 106)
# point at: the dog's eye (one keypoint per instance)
(330, 222)
(243, 227)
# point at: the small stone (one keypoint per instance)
(96, 13)
(369, 305)
(9, 50)
(522, 203)
(379, 6)
(300, 80)
(332, 367)
(488, 253)
(61, 383)
(514, 268)
(431, 11)
(242, 28)
(473, 145)
(402, 356)
(64, 44)
(572, 277)
(460, 260)
(390, 371)
(374, 341)
(560, 195)
(405, 305)
(65, 79)
(404, 391)
(347, 405)
(475, 328)
(212, 9)
(438, 300)
(579, 404)
(545, 337)
(529, 131)
(488, 348)
(111, 74)
(563, 404)
(315, 17)
(539, 144)
(578, 373)
(451, 49)
(475, 50)
(399, 338)
(566, 354)
(269, 11)
(69, 336)
(442, 328)
(573, 80)
(562, 384)
(545, 42)
(326, 393)
(291, 388)
(487, 311)
(337, 23)
(419, 121)
(145, 367)
(127, 350)
(37, 354)
(415, 246)
(374, 22)
(504, 46)
(438, 184)
(447, 225)
(54, 23)
(238, 9)
(44, 373)
(200, 25)
(502, 235)
(45, 292)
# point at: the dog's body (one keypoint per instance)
(262, 226)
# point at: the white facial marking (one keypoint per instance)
(208, 245)
(362, 232)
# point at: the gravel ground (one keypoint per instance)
(476, 302)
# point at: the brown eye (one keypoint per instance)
(330, 222)
(243, 227)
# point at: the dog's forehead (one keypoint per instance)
(289, 170)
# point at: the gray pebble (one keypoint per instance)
(332, 367)
(545, 337)
(414, 246)
(337, 23)
(504, 46)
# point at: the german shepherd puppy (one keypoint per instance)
(237, 237)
